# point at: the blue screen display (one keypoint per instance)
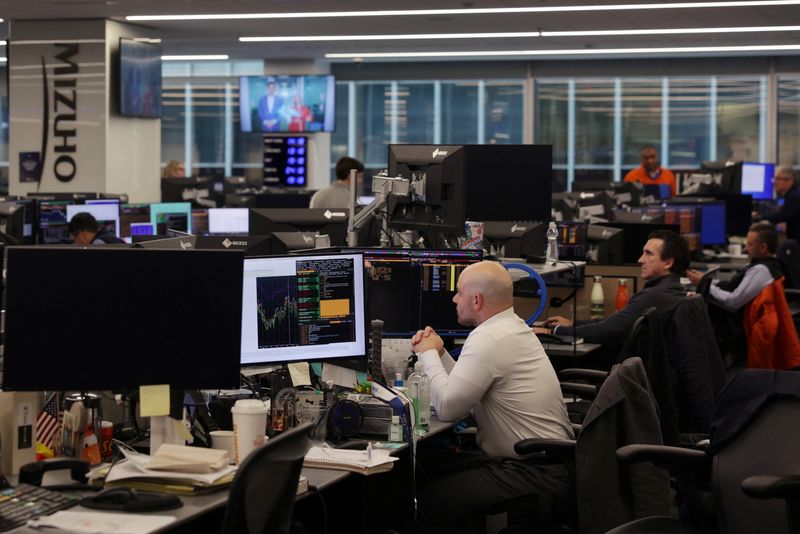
(713, 231)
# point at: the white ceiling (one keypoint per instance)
(220, 37)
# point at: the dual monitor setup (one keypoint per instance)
(193, 318)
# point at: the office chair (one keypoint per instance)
(265, 486)
(753, 452)
(623, 412)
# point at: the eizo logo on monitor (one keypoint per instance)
(227, 243)
(185, 245)
(438, 152)
(516, 228)
(328, 214)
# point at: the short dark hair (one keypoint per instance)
(767, 234)
(83, 221)
(673, 247)
(647, 147)
(345, 164)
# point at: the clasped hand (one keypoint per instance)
(427, 339)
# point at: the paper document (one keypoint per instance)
(339, 375)
(365, 462)
(299, 373)
(102, 522)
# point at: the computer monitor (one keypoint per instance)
(409, 289)
(199, 221)
(252, 245)
(635, 236)
(107, 215)
(714, 229)
(53, 221)
(738, 210)
(332, 222)
(473, 182)
(595, 204)
(628, 193)
(134, 219)
(177, 215)
(757, 180)
(640, 215)
(305, 307)
(12, 223)
(184, 189)
(30, 224)
(182, 242)
(593, 185)
(511, 239)
(605, 244)
(228, 221)
(148, 317)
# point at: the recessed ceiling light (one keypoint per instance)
(470, 11)
(196, 57)
(567, 52)
(662, 31)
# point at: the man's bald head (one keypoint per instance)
(484, 289)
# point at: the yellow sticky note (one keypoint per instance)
(154, 400)
(299, 373)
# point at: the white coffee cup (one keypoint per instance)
(249, 423)
(735, 249)
(223, 440)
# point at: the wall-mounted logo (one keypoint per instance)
(65, 111)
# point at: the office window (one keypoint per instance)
(789, 121)
(503, 113)
(414, 118)
(459, 112)
(208, 128)
(690, 115)
(741, 106)
(551, 122)
(641, 107)
(374, 125)
(339, 138)
(173, 121)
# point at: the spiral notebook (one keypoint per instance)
(364, 462)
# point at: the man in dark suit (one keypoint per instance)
(785, 183)
(269, 107)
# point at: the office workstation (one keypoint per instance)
(238, 264)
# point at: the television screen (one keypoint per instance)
(140, 79)
(287, 103)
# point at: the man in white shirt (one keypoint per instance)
(337, 195)
(504, 379)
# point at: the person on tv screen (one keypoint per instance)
(174, 169)
(85, 230)
(337, 195)
(299, 115)
(650, 173)
(269, 108)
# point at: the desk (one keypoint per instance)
(582, 349)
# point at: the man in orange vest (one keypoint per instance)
(650, 173)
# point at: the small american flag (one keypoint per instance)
(48, 423)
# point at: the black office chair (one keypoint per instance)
(753, 451)
(265, 486)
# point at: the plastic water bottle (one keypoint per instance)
(395, 430)
(622, 295)
(419, 389)
(552, 243)
(598, 299)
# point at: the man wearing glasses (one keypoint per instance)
(789, 212)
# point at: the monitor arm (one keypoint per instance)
(383, 187)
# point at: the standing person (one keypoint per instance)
(505, 380)
(785, 185)
(174, 169)
(337, 195)
(299, 115)
(649, 172)
(269, 107)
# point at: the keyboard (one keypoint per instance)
(24, 502)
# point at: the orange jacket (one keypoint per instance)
(771, 336)
(640, 175)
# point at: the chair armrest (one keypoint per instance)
(592, 375)
(772, 487)
(663, 456)
(584, 391)
(562, 449)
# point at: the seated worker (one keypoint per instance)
(786, 187)
(85, 230)
(665, 257)
(337, 195)
(649, 173)
(771, 338)
(505, 380)
(174, 169)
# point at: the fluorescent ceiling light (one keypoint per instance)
(3, 43)
(398, 37)
(3, 59)
(469, 11)
(568, 52)
(196, 57)
(511, 35)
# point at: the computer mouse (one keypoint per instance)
(126, 499)
(115, 496)
(355, 445)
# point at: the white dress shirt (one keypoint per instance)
(504, 378)
(756, 278)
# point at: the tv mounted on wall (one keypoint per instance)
(139, 79)
(287, 104)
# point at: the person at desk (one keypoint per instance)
(174, 169)
(665, 257)
(505, 380)
(337, 195)
(789, 213)
(649, 172)
(85, 230)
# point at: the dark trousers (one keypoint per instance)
(467, 487)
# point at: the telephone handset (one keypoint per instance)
(33, 473)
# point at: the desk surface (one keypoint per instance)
(582, 349)
(541, 268)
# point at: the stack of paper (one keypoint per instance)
(364, 462)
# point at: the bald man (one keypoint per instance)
(504, 379)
